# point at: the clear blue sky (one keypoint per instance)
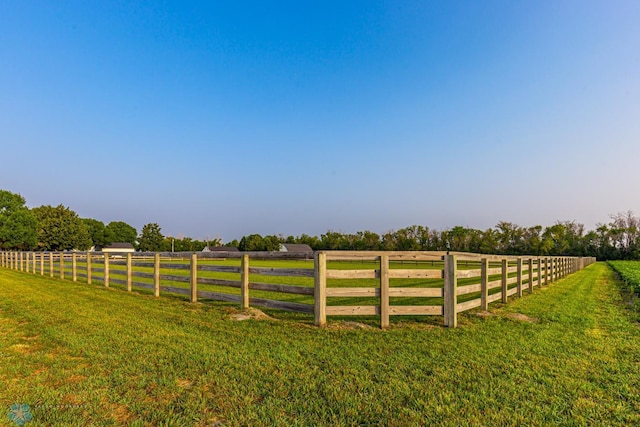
(230, 118)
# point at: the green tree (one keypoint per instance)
(121, 232)
(19, 230)
(60, 228)
(252, 242)
(95, 229)
(151, 238)
(18, 226)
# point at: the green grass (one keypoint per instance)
(629, 272)
(85, 355)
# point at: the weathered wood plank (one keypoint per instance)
(353, 274)
(140, 274)
(287, 289)
(353, 292)
(494, 297)
(468, 305)
(469, 289)
(282, 305)
(465, 274)
(175, 290)
(416, 292)
(416, 310)
(320, 289)
(494, 284)
(143, 285)
(384, 291)
(219, 282)
(290, 272)
(169, 266)
(352, 310)
(512, 291)
(407, 273)
(220, 268)
(218, 296)
(174, 278)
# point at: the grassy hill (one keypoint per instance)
(85, 355)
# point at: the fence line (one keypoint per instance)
(392, 283)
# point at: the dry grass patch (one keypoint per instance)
(250, 313)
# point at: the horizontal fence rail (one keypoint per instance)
(335, 283)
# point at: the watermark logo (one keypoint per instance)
(20, 413)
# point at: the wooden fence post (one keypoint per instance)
(41, 264)
(505, 276)
(89, 268)
(539, 272)
(244, 281)
(106, 270)
(20, 262)
(450, 291)
(484, 284)
(74, 267)
(51, 264)
(61, 265)
(129, 273)
(27, 261)
(519, 282)
(320, 289)
(194, 277)
(384, 291)
(530, 267)
(156, 275)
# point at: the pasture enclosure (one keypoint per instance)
(334, 283)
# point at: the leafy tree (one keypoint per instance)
(151, 238)
(118, 231)
(18, 226)
(271, 243)
(19, 230)
(60, 228)
(252, 242)
(96, 230)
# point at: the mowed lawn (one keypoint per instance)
(84, 355)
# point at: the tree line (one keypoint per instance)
(57, 228)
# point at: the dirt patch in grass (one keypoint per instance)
(521, 317)
(250, 313)
(484, 314)
(348, 325)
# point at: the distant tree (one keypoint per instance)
(119, 231)
(234, 243)
(151, 238)
(271, 243)
(624, 231)
(60, 228)
(18, 225)
(252, 242)
(96, 230)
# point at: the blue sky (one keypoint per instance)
(230, 118)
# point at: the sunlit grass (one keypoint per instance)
(85, 355)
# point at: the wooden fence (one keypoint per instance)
(382, 284)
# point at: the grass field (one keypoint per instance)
(85, 355)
